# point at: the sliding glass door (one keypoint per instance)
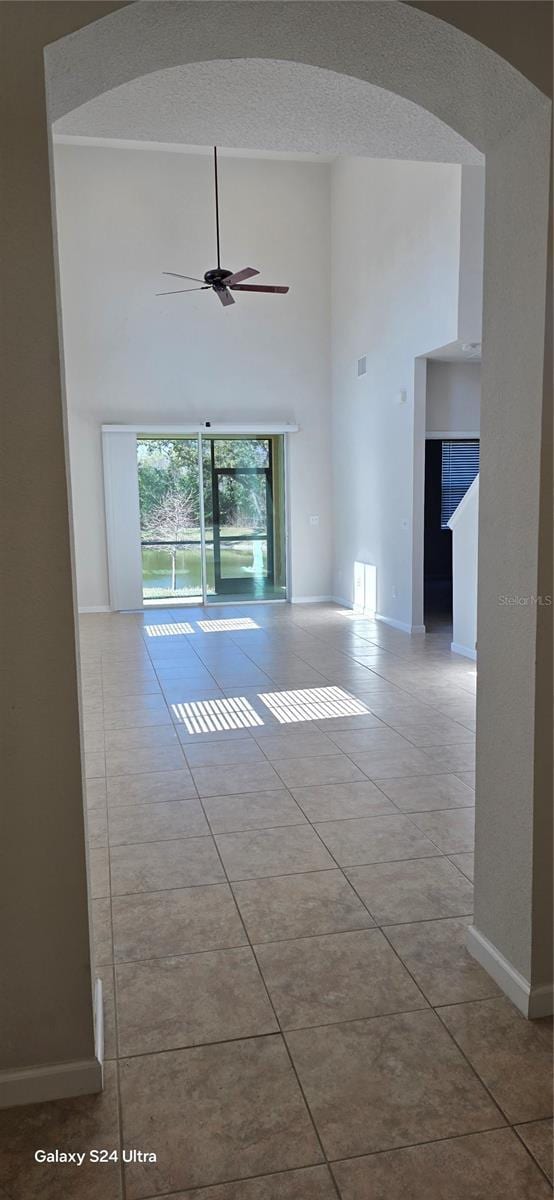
(170, 526)
(242, 521)
(212, 512)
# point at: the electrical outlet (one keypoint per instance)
(314, 519)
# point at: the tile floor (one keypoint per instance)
(280, 814)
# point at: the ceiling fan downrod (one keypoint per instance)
(219, 279)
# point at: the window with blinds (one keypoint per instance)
(460, 465)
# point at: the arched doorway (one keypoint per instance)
(491, 105)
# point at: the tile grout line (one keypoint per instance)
(515, 1129)
(415, 1146)
(272, 1006)
(282, 875)
(278, 941)
(496, 1103)
(321, 1166)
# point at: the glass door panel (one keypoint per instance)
(169, 499)
(241, 519)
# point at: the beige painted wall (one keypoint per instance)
(45, 998)
(519, 30)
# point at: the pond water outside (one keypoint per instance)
(239, 560)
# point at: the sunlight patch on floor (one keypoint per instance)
(226, 625)
(176, 629)
(212, 716)
(312, 704)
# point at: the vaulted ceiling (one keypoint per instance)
(256, 104)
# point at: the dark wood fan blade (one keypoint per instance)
(177, 276)
(180, 291)
(225, 296)
(257, 287)
(247, 273)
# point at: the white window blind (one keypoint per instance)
(460, 465)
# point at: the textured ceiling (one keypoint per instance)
(256, 104)
(454, 352)
(383, 43)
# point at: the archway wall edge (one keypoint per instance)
(393, 46)
(489, 103)
(41, 631)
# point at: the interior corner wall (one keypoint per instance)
(126, 215)
(395, 234)
(453, 397)
(472, 242)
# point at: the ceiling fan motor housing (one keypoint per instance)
(217, 278)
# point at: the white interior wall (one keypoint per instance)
(453, 397)
(464, 524)
(471, 244)
(472, 241)
(395, 282)
(124, 216)
(389, 234)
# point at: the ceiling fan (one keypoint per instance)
(220, 280)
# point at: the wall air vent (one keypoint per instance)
(362, 366)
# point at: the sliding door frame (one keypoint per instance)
(203, 564)
(200, 430)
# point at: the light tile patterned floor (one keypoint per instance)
(280, 814)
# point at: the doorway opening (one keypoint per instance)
(212, 518)
(451, 465)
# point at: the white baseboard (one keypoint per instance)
(96, 608)
(99, 1021)
(404, 628)
(359, 612)
(58, 1081)
(467, 652)
(401, 625)
(532, 1001)
(311, 599)
(542, 1001)
(342, 602)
